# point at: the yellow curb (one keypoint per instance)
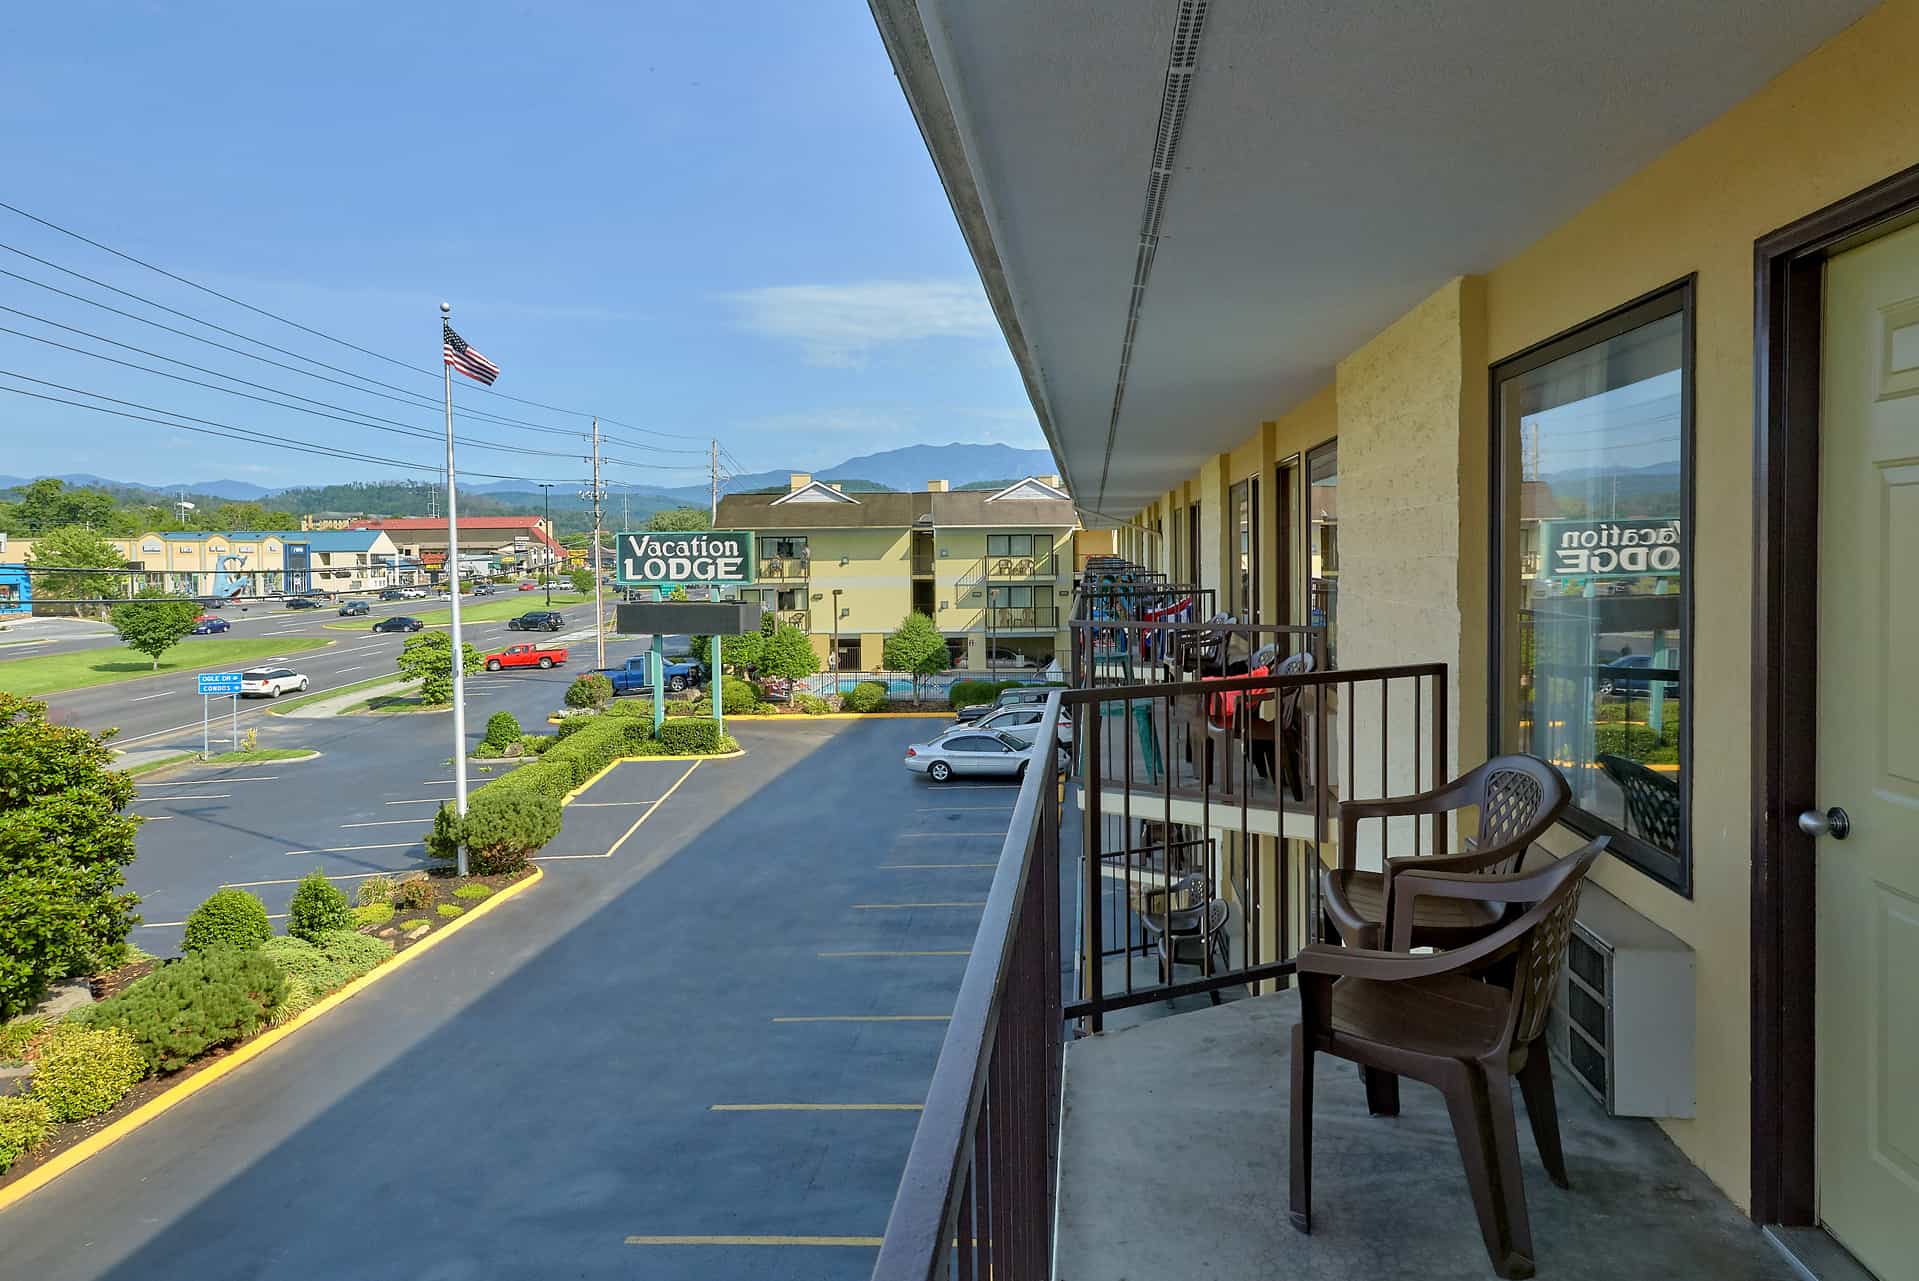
(153, 1107)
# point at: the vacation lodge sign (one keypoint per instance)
(1609, 548)
(649, 559)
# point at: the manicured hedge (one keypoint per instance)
(686, 737)
(228, 918)
(83, 1071)
(867, 696)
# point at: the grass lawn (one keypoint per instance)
(388, 704)
(280, 705)
(46, 673)
(511, 606)
(261, 754)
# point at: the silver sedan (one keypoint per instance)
(972, 753)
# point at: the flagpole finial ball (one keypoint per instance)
(446, 308)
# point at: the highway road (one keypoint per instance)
(152, 711)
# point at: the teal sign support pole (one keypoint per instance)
(713, 676)
(659, 683)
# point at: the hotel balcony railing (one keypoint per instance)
(785, 569)
(1177, 779)
(1013, 569)
(1016, 618)
(800, 618)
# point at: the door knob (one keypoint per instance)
(1834, 822)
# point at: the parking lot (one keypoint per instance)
(696, 1050)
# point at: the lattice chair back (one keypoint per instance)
(1543, 958)
(1652, 800)
(1516, 791)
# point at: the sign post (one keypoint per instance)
(211, 683)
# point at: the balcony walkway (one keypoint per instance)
(1174, 1164)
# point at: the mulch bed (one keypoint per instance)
(73, 1132)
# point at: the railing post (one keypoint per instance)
(1092, 885)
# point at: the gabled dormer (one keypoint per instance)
(802, 488)
(1033, 489)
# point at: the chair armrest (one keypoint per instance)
(1472, 860)
(1351, 812)
(1385, 967)
(1410, 884)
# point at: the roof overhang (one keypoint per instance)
(1185, 213)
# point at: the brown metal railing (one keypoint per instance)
(785, 569)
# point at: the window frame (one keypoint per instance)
(1672, 869)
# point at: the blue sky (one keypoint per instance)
(701, 219)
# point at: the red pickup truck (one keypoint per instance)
(526, 656)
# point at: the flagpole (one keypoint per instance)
(453, 589)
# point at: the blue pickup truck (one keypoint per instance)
(635, 676)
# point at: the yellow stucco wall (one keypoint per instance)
(1413, 500)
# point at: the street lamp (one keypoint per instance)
(546, 549)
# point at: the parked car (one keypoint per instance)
(1013, 659)
(302, 602)
(635, 677)
(213, 602)
(1621, 676)
(355, 608)
(483, 589)
(537, 620)
(973, 753)
(529, 587)
(526, 656)
(392, 593)
(1024, 694)
(399, 623)
(413, 593)
(207, 625)
(1021, 720)
(271, 682)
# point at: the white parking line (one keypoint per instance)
(203, 796)
(162, 694)
(347, 849)
(295, 880)
(200, 782)
(431, 800)
(362, 666)
(388, 822)
(167, 925)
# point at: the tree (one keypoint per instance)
(64, 842)
(428, 658)
(917, 648)
(47, 504)
(582, 578)
(740, 652)
(75, 547)
(669, 518)
(788, 653)
(249, 515)
(154, 622)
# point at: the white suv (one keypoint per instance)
(271, 682)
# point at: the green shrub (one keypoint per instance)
(228, 918)
(64, 840)
(83, 1071)
(374, 889)
(570, 726)
(738, 696)
(16, 1036)
(690, 737)
(299, 998)
(811, 704)
(411, 896)
(414, 924)
(591, 690)
(475, 891)
(443, 839)
(537, 743)
(867, 696)
(24, 1123)
(354, 952)
(502, 730)
(204, 1000)
(317, 906)
(305, 963)
(488, 752)
(450, 910)
(368, 914)
(503, 829)
(974, 693)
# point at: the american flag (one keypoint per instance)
(465, 359)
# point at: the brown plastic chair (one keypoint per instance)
(1431, 1017)
(1519, 797)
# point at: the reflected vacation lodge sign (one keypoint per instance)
(649, 558)
(1608, 548)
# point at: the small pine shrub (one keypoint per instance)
(501, 730)
(867, 696)
(370, 914)
(228, 918)
(204, 1000)
(504, 829)
(317, 906)
(413, 895)
(83, 1071)
(444, 838)
(25, 1123)
(690, 737)
(450, 910)
(474, 891)
(591, 690)
(374, 889)
(810, 704)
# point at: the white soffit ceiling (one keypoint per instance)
(1339, 160)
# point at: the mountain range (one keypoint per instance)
(909, 467)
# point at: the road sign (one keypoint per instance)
(651, 559)
(219, 683)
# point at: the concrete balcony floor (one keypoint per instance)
(1173, 1164)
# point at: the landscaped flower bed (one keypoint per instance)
(154, 1024)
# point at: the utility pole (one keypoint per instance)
(714, 514)
(596, 494)
(546, 550)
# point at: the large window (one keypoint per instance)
(1592, 595)
(1322, 543)
(1242, 583)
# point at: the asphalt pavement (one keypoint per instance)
(694, 1051)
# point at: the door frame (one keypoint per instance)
(1787, 333)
